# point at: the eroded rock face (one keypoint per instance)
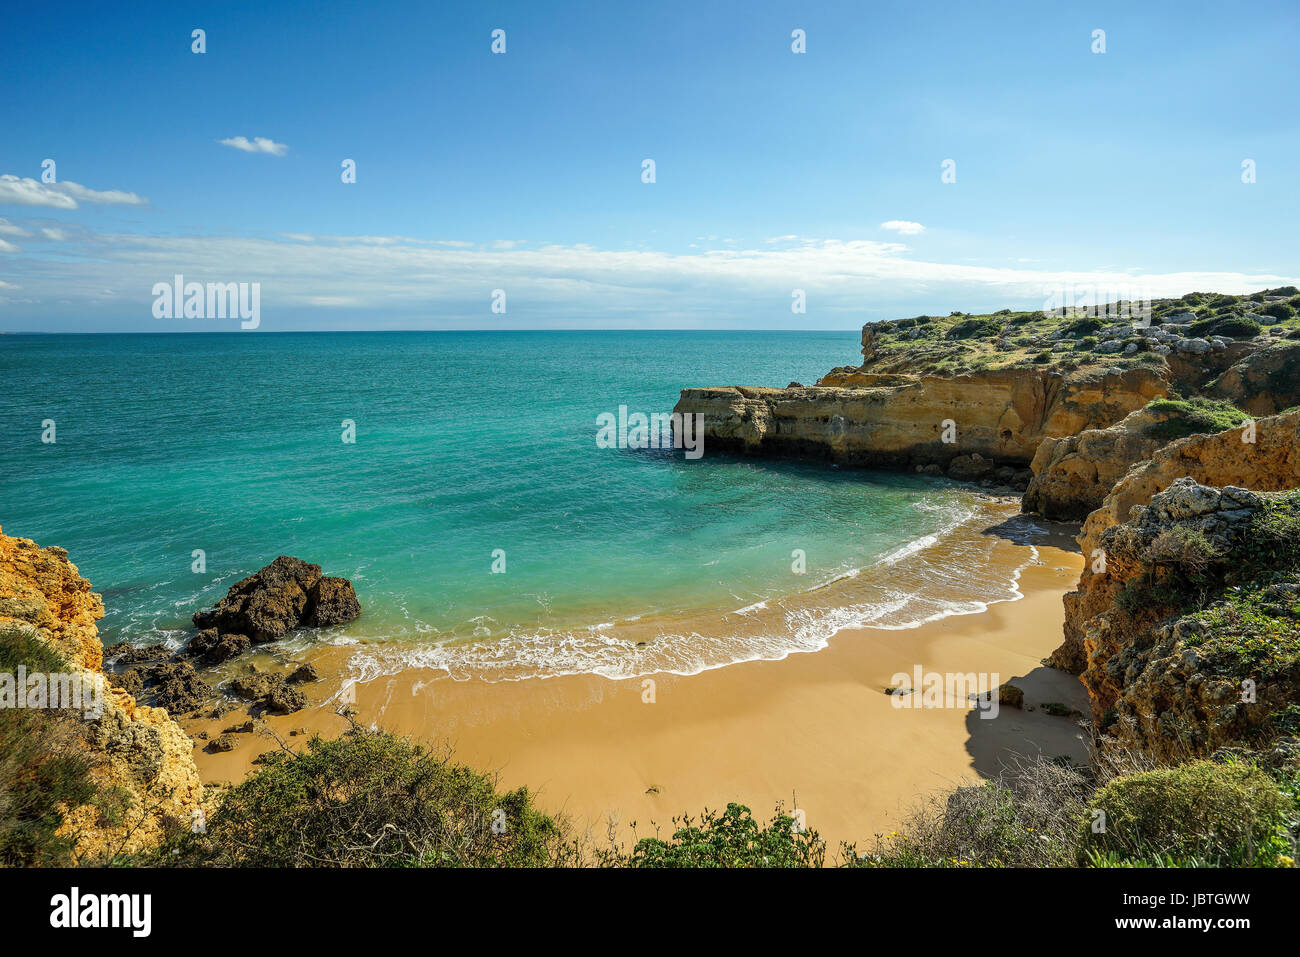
(1155, 688)
(1270, 463)
(1073, 473)
(898, 421)
(146, 753)
(1264, 382)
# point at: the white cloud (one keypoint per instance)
(403, 279)
(55, 234)
(10, 229)
(24, 191)
(7, 247)
(903, 227)
(258, 144)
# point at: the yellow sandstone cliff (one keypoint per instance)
(145, 754)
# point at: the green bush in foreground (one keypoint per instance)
(1207, 814)
(731, 839)
(372, 799)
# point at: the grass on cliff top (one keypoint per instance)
(1193, 416)
(961, 343)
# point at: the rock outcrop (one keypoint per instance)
(1265, 382)
(1271, 462)
(146, 756)
(1073, 473)
(267, 605)
(859, 418)
(1172, 632)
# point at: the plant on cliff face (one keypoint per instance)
(372, 799)
(45, 766)
(1202, 813)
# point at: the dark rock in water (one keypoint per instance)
(332, 601)
(267, 604)
(212, 647)
(254, 686)
(968, 467)
(126, 654)
(179, 688)
(284, 700)
(304, 674)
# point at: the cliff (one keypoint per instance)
(1270, 463)
(977, 396)
(1190, 637)
(900, 421)
(1073, 474)
(143, 754)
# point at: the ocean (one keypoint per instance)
(181, 463)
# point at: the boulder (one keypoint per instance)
(212, 647)
(332, 601)
(1011, 696)
(178, 687)
(265, 605)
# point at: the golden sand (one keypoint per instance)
(813, 731)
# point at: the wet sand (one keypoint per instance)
(813, 731)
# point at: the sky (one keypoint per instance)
(778, 175)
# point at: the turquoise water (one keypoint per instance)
(465, 443)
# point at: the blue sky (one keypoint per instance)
(522, 171)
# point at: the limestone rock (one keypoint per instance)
(146, 754)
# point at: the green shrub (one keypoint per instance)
(1222, 815)
(1236, 327)
(372, 799)
(1280, 311)
(971, 328)
(44, 765)
(1193, 416)
(1083, 327)
(731, 839)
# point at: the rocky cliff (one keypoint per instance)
(976, 397)
(967, 425)
(1189, 637)
(145, 755)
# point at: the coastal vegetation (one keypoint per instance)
(1110, 334)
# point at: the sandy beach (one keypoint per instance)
(813, 731)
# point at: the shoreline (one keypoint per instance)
(814, 730)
